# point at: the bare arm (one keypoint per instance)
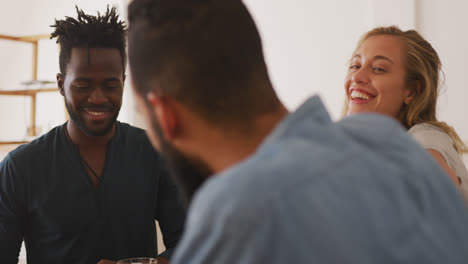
(440, 159)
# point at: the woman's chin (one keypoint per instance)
(358, 110)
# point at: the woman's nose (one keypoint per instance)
(361, 75)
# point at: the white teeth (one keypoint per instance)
(96, 113)
(359, 95)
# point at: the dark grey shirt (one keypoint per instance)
(47, 198)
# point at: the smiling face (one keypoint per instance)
(93, 88)
(376, 78)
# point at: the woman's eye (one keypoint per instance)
(378, 69)
(353, 67)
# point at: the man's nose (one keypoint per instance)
(97, 96)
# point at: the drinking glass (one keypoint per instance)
(138, 261)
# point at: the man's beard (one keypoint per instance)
(81, 124)
(188, 173)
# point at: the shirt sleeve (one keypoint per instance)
(170, 212)
(12, 212)
(432, 138)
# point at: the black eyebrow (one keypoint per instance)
(81, 79)
(112, 79)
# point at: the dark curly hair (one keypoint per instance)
(88, 31)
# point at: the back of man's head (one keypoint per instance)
(207, 54)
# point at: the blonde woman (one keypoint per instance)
(396, 73)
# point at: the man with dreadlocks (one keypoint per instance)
(89, 189)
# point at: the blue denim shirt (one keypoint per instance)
(356, 191)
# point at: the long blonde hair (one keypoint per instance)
(422, 65)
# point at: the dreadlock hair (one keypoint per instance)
(87, 31)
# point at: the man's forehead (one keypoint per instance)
(108, 59)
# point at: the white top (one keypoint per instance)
(433, 137)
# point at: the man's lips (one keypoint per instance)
(97, 114)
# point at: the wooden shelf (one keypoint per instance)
(27, 92)
(34, 40)
(33, 94)
(13, 142)
(28, 39)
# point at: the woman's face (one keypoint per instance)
(376, 77)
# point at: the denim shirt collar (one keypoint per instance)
(311, 113)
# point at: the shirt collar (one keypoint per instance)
(311, 113)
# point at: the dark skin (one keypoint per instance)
(93, 88)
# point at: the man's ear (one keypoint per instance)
(412, 93)
(165, 113)
(60, 81)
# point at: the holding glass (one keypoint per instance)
(138, 261)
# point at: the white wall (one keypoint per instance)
(32, 17)
(445, 25)
(10, 66)
(307, 45)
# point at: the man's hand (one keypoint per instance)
(161, 260)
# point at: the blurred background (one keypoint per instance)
(307, 44)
